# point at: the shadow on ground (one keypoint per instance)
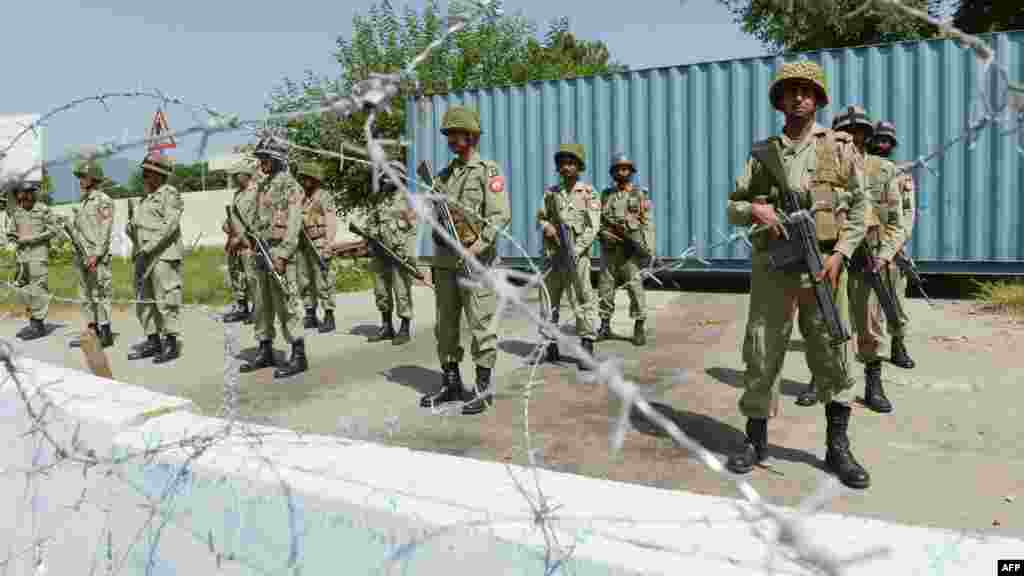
(734, 378)
(420, 379)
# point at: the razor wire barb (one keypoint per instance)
(373, 95)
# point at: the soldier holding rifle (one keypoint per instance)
(91, 232)
(245, 176)
(320, 223)
(33, 227)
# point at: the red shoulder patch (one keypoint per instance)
(648, 204)
(497, 184)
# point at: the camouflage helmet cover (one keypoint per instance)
(884, 128)
(620, 159)
(268, 148)
(804, 71)
(155, 162)
(88, 167)
(852, 117)
(311, 169)
(574, 151)
(460, 118)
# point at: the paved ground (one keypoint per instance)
(949, 456)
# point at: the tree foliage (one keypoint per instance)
(504, 51)
(807, 25)
(981, 16)
(187, 178)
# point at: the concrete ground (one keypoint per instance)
(948, 456)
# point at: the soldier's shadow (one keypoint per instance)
(714, 435)
(48, 329)
(420, 379)
(364, 330)
(734, 378)
(251, 354)
(530, 351)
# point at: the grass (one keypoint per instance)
(1004, 296)
(204, 277)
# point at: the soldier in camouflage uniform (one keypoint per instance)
(576, 205)
(884, 142)
(32, 227)
(625, 210)
(392, 222)
(320, 222)
(883, 239)
(92, 228)
(479, 207)
(825, 169)
(241, 276)
(156, 226)
(276, 218)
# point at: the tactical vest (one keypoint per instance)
(314, 219)
(823, 188)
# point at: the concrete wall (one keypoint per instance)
(271, 502)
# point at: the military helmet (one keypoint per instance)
(460, 118)
(804, 70)
(852, 117)
(33, 186)
(91, 168)
(268, 148)
(311, 169)
(884, 128)
(156, 162)
(620, 159)
(574, 151)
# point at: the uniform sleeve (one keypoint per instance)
(174, 206)
(741, 199)
(105, 218)
(894, 232)
(593, 215)
(497, 208)
(909, 200)
(542, 213)
(852, 200)
(294, 194)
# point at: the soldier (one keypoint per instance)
(479, 207)
(577, 206)
(156, 226)
(32, 227)
(320, 222)
(827, 168)
(625, 210)
(241, 276)
(393, 222)
(884, 142)
(93, 225)
(276, 219)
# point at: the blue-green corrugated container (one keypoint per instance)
(689, 128)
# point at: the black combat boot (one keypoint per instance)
(328, 324)
(148, 349)
(551, 353)
(605, 331)
(874, 394)
(386, 331)
(402, 336)
(479, 399)
(311, 318)
(899, 354)
(588, 345)
(170, 350)
(36, 329)
(808, 397)
(755, 447)
(264, 360)
(838, 457)
(238, 313)
(297, 363)
(639, 337)
(451, 388)
(106, 336)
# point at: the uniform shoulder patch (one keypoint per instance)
(496, 183)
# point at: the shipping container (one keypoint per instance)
(689, 129)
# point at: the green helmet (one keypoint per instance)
(311, 169)
(852, 117)
(574, 151)
(886, 129)
(804, 70)
(90, 168)
(460, 118)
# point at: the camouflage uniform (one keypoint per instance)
(625, 210)
(905, 185)
(479, 207)
(241, 277)
(92, 228)
(277, 221)
(579, 209)
(31, 230)
(320, 224)
(825, 169)
(156, 226)
(393, 223)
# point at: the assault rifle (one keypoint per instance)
(261, 247)
(441, 212)
(909, 269)
(319, 259)
(798, 250)
(379, 248)
(618, 233)
(864, 263)
(566, 248)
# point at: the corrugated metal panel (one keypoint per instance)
(689, 128)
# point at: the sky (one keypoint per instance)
(229, 54)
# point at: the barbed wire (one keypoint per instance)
(373, 95)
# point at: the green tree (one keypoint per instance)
(494, 53)
(981, 16)
(806, 25)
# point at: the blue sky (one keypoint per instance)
(228, 54)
